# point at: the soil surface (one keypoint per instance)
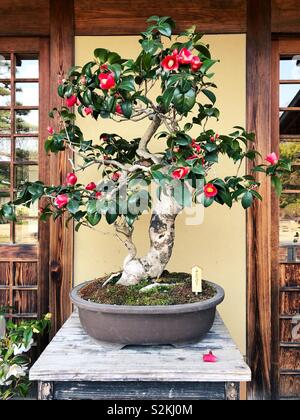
(176, 289)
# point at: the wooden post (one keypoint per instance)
(61, 242)
(45, 391)
(259, 332)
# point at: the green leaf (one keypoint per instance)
(226, 197)
(184, 102)
(277, 184)
(127, 84)
(127, 109)
(113, 58)
(199, 170)
(73, 206)
(93, 218)
(101, 54)
(111, 217)
(165, 29)
(167, 97)
(247, 200)
(210, 95)
(91, 207)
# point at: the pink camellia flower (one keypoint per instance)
(50, 131)
(185, 56)
(83, 80)
(88, 111)
(170, 63)
(210, 191)
(119, 109)
(210, 358)
(193, 157)
(71, 101)
(116, 176)
(91, 186)
(196, 63)
(107, 81)
(180, 173)
(61, 201)
(71, 179)
(272, 158)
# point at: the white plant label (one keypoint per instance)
(197, 280)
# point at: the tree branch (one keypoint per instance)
(143, 151)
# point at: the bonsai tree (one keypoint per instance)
(110, 87)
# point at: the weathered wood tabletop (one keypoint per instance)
(74, 366)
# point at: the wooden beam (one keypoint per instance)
(259, 49)
(23, 18)
(286, 16)
(99, 17)
(61, 242)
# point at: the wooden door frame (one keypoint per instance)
(62, 53)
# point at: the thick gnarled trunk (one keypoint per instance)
(162, 236)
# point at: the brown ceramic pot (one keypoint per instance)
(147, 325)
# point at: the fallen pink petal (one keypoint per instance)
(210, 358)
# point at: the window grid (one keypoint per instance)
(13, 135)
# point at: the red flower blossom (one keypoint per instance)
(61, 201)
(91, 186)
(107, 81)
(50, 131)
(88, 111)
(180, 173)
(83, 80)
(196, 63)
(119, 109)
(210, 191)
(185, 56)
(104, 137)
(104, 67)
(116, 176)
(272, 158)
(99, 195)
(71, 179)
(71, 101)
(210, 358)
(170, 63)
(193, 157)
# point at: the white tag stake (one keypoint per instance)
(197, 280)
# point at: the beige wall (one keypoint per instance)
(218, 245)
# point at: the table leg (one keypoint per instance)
(232, 391)
(45, 391)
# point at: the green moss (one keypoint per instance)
(179, 292)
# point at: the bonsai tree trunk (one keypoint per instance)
(162, 236)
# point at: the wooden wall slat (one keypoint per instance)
(61, 239)
(128, 17)
(24, 18)
(290, 359)
(289, 386)
(259, 50)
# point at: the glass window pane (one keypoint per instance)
(27, 94)
(291, 150)
(4, 149)
(26, 232)
(26, 148)
(26, 173)
(5, 94)
(4, 176)
(27, 122)
(290, 68)
(27, 67)
(5, 122)
(290, 123)
(5, 66)
(289, 96)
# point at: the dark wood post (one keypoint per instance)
(259, 53)
(62, 37)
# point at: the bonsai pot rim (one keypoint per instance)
(163, 309)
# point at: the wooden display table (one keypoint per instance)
(74, 367)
